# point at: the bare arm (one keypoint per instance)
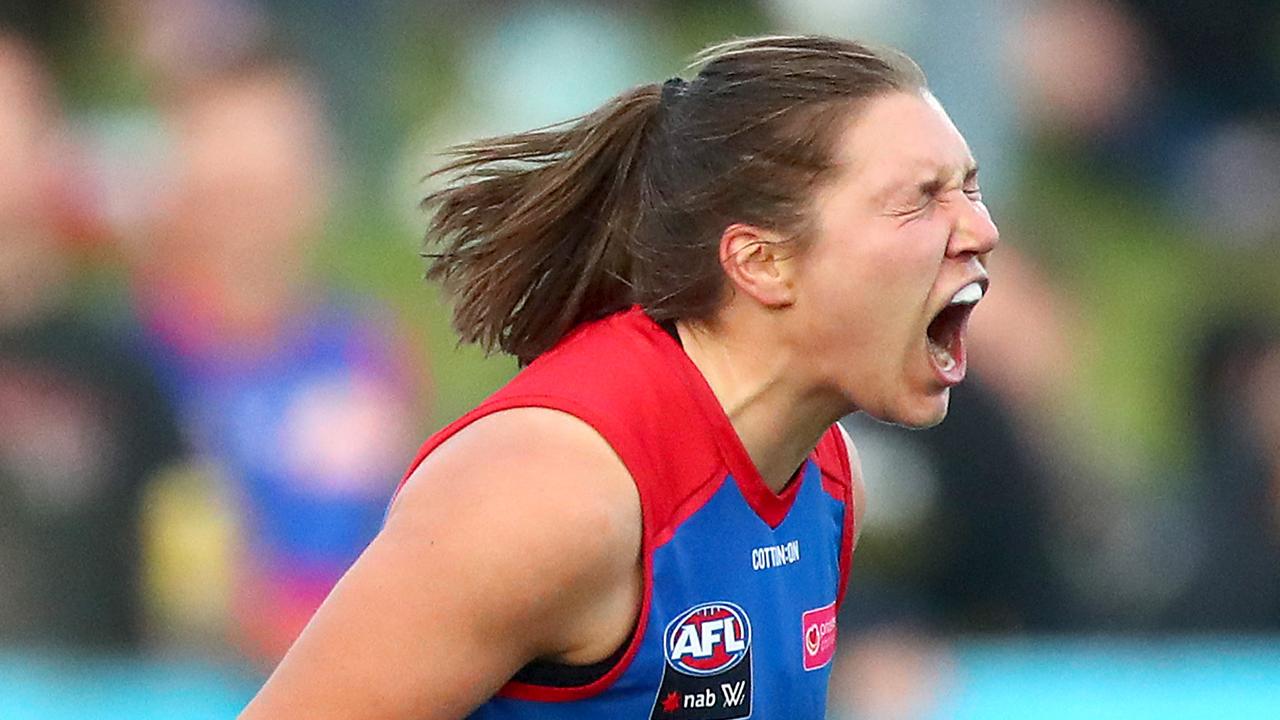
(519, 538)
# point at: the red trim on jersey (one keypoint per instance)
(837, 479)
(543, 693)
(635, 466)
(685, 509)
(629, 380)
(770, 506)
(832, 456)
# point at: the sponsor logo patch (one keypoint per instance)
(707, 675)
(772, 556)
(708, 639)
(819, 628)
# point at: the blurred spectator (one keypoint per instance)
(83, 427)
(1083, 68)
(177, 43)
(967, 523)
(1218, 57)
(960, 516)
(959, 537)
(41, 22)
(1235, 500)
(892, 671)
(305, 402)
(1182, 98)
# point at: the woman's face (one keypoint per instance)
(901, 235)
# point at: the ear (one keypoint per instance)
(759, 263)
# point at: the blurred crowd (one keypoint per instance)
(196, 449)
(213, 343)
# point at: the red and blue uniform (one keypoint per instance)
(741, 584)
(290, 423)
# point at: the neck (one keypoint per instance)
(776, 412)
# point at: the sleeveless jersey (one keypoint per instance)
(741, 584)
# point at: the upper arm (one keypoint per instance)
(516, 539)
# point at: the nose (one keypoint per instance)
(974, 231)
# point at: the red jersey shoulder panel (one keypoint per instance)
(622, 376)
(616, 375)
(630, 381)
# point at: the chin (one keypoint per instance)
(921, 413)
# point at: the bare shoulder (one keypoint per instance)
(544, 471)
(518, 538)
(549, 506)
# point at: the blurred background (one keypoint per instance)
(217, 354)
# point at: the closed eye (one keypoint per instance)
(917, 207)
(926, 193)
(970, 186)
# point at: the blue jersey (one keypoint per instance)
(741, 584)
(304, 427)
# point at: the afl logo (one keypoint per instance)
(708, 639)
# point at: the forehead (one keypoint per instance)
(902, 139)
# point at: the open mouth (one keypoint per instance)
(945, 334)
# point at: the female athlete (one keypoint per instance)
(656, 517)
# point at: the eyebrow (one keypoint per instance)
(943, 174)
(932, 184)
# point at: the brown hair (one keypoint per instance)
(546, 229)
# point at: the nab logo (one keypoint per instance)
(709, 638)
(707, 673)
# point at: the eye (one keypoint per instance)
(970, 187)
(927, 194)
(916, 206)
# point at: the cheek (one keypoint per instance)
(856, 308)
(844, 289)
(874, 275)
(892, 277)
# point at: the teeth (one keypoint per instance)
(942, 356)
(967, 295)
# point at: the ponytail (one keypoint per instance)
(546, 229)
(533, 236)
